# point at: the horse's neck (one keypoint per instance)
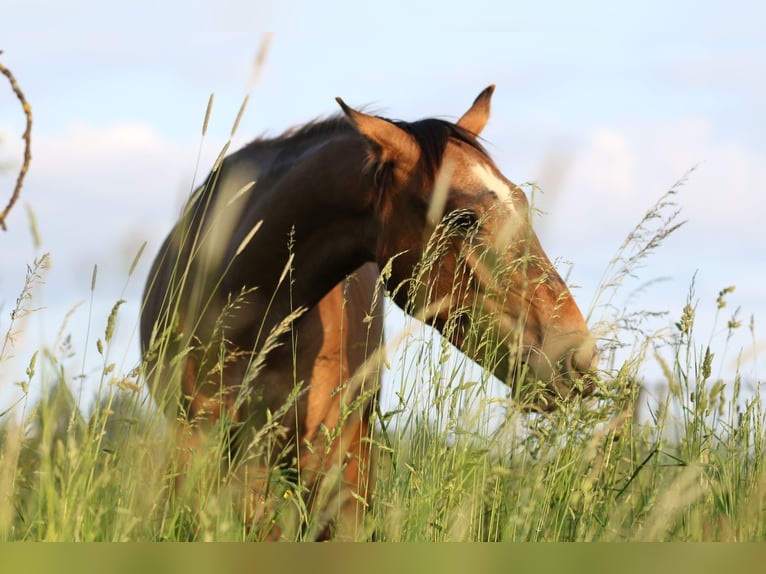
(314, 218)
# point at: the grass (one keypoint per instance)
(103, 468)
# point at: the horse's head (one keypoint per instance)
(463, 252)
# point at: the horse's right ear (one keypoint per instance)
(389, 144)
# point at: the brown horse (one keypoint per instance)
(263, 306)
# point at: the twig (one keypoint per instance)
(27, 145)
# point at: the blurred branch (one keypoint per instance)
(27, 144)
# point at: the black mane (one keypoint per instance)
(431, 134)
(318, 128)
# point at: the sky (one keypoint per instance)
(604, 105)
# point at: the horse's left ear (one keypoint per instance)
(476, 118)
(389, 143)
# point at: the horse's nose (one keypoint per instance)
(584, 359)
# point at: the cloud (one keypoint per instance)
(98, 192)
(616, 174)
(129, 159)
(729, 75)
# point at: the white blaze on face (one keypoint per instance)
(507, 232)
(492, 182)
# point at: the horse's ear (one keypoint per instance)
(476, 118)
(389, 143)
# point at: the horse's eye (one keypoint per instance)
(463, 219)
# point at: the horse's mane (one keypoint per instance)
(431, 134)
(301, 134)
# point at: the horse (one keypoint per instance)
(263, 308)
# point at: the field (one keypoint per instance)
(685, 466)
